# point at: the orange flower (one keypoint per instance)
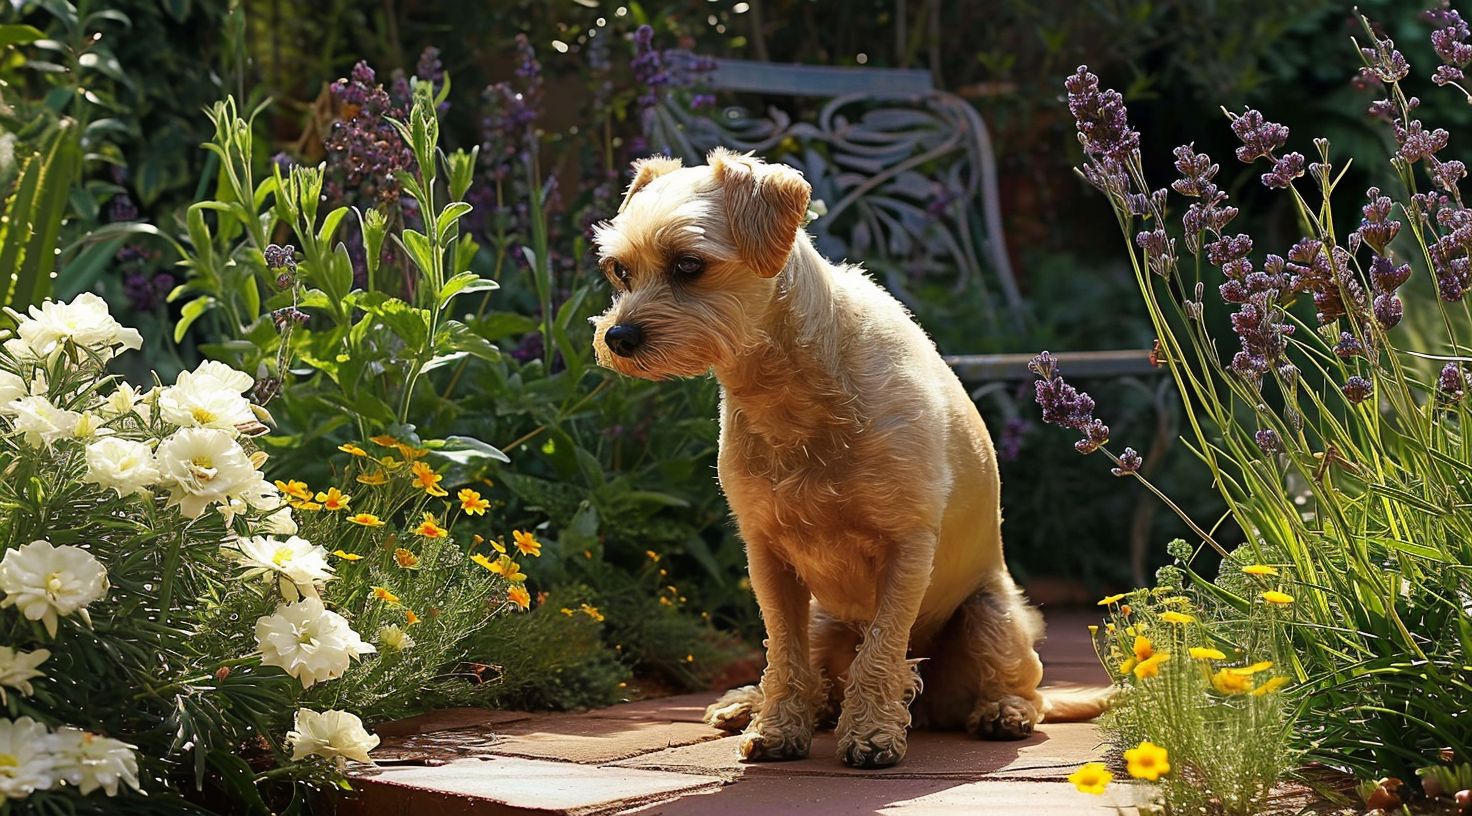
(409, 452)
(334, 499)
(295, 490)
(383, 594)
(472, 503)
(366, 520)
(377, 477)
(406, 558)
(384, 441)
(425, 478)
(410, 617)
(519, 596)
(1143, 648)
(526, 543)
(350, 448)
(429, 528)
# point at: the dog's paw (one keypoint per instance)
(1007, 718)
(876, 750)
(734, 710)
(760, 745)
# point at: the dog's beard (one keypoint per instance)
(683, 338)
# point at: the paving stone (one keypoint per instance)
(839, 796)
(507, 785)
(688, 708)
(592, 740)
(718, 757)
(450, 718)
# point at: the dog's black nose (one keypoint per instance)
(624, 339)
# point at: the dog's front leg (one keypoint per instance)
(881, 684)
(783, 727)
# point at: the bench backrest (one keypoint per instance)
(906, 172)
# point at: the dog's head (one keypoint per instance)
(692, 256)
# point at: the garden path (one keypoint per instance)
(656, 757)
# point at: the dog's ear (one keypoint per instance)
(765, 205)
(646, 170)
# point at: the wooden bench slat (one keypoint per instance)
(1075, 364)
(817, 80)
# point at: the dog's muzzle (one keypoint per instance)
(624, 339)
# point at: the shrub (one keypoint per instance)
(1334, 438)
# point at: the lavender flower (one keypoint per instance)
(1377, 229)
(363, 150)
(1129, 463)
(1284, 171)
(1101, 117)
(1384, 62)
(1452, 383)
(1260, 138)
(1348, 346)
(1357, 389)
(285, 317)
(1268, 440)
(1263, 339)
(1446, 174)
(280, 257)
(1065, 406)
(1415, 142)
(1388, 310)
(1450, 43)
(1197, 171)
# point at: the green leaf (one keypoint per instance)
(409, 323)
(420, 250)
(190, 313)
(451, 214)
(18, 35)
(329, 225)
(1407, 498)
(465, 450)
(456, 336)
(465, 283)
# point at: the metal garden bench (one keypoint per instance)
(908, 178)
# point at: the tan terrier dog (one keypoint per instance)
(862, 478)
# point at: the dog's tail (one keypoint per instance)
(1075, 704)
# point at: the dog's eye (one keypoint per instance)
(621, 273)
(689, 266)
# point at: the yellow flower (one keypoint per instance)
(592, 612)
(429, 528)
(383, 594)
(409, 452)
(1173, 616)
(652, 555)
(1124, 668)
(425, 478)
(1148, 761)
(1260, 666)
(1260, 569)
(1206, 653)
(1271, 685)
(295, 490)
(1275, 597)
(410, 617)
(1229, 682)
(484, 562)
(346, 556)
(498, 546)
(509, 569)
(334, 499)
(384, 441)
(348, 447)
(472, 503)
(566, 611)
(366, 520)
(526, 543)
(306, 506)
(519, 596)
(389, 462)
(1143, 647)
(406, 558)
(1112, 599)
(1150, 666)
(1091, 778)
(377, 477)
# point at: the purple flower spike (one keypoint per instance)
(1260, 138)
(1357, 389)
(1452, 383)
(1065, 406)
(1129, 463)
(1388, 310)
(1349, 346)
(1101, 117)
(1268, 440)
(1284, 171)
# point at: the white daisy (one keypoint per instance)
(122, 465)
(90, 761)
(46, 582)
(18, 669)
(300, 565)
(308, 641)
(336, 735)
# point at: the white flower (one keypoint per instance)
(225, 376)
(121, 464)
(45, 582)
(123, 401)
(40, 422)
(89, 426)
(279, 522)
(201, 466)
(310, 642)
(336, 735)
(26, 762)
(12, 388)
(300, 565)
(394, 638)
(203, 402)
(90, 761)
(17, 669)
(85, 321)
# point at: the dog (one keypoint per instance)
(861, 477)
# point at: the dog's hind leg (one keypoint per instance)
(1001, 630)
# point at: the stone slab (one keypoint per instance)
(688, 708)
(590, 739)
(839, 796)
(446, 719)
(507, 785)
